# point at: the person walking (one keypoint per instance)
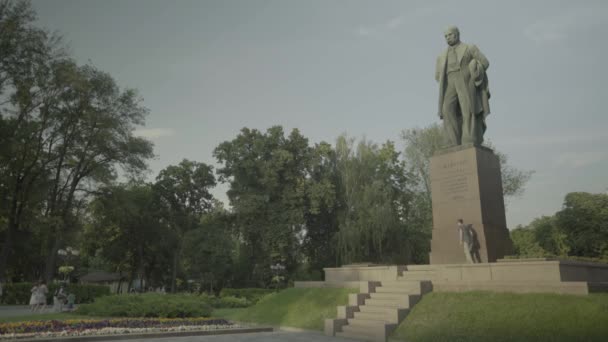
(34, 297)
(41, 296)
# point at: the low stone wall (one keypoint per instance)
(363, 273)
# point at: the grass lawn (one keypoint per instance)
(294, 307)
(485, 316)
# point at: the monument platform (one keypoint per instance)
(387, 293)
(505, 275)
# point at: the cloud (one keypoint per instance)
(152, 133)
(580, 159)
(394, 23)
(559, 27)
(553, 139)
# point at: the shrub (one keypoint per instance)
(148, 305)
(19, 293)
(253, 295)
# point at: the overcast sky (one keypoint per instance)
(208, 68)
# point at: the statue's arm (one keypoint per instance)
(438, 68)
(480, 57)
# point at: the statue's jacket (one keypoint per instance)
(473, 65)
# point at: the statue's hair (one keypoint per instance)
(453, 28)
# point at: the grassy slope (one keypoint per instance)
(484, 316)
(294, 307)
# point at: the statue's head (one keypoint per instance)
(452, 35)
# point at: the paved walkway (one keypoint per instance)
(276, 336)
(20, 310)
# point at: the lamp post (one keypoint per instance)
(67, 253)
(277, 269)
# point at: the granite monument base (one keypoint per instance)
(466, 184)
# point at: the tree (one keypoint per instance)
(376, 222)
(26, 56)
(525, 244)
(584, 221)
(267, 177)
(321, 205)
(72, 129)
(209, 249)
(124, 228)
(183, 191)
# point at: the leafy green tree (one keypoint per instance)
(322, 202)
(183, 191)
(125, 227)
(266, 173)
(525, 244)
(584, 221)
(376, 222)
(26, 55)
(209, 250)
(549, 236)
(72, 129)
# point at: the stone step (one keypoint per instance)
(368, 332)
(366, 323)
(388, 315)
(395, 296)
(388, 303)
(356, 336)
(404, 301)
(416, 286)
(383, 309)
(403, 290)
(419, 275)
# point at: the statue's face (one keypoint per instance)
(452, 37)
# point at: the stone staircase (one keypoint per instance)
(375, 313)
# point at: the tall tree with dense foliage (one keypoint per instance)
(377, 222)
(322, 202)
(183, 192)
(66, 129)
(124, 228)
(266, 173)
(584, 221)
(209, 250)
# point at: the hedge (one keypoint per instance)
(252, 295)
(148, 305)
(19, 293)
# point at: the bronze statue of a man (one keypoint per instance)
(463, 91)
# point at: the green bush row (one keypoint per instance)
(148, 305)
(226, 301)
(20, 293)
(253, 295)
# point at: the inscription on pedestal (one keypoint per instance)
(453, 179)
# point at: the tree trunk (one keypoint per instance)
(7, 247)
(51, 260)
(174, 271)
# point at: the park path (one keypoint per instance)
(275, 336)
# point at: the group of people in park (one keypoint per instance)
(60, 298)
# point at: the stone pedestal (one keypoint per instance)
(466, 183)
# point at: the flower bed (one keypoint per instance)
(108, 326)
